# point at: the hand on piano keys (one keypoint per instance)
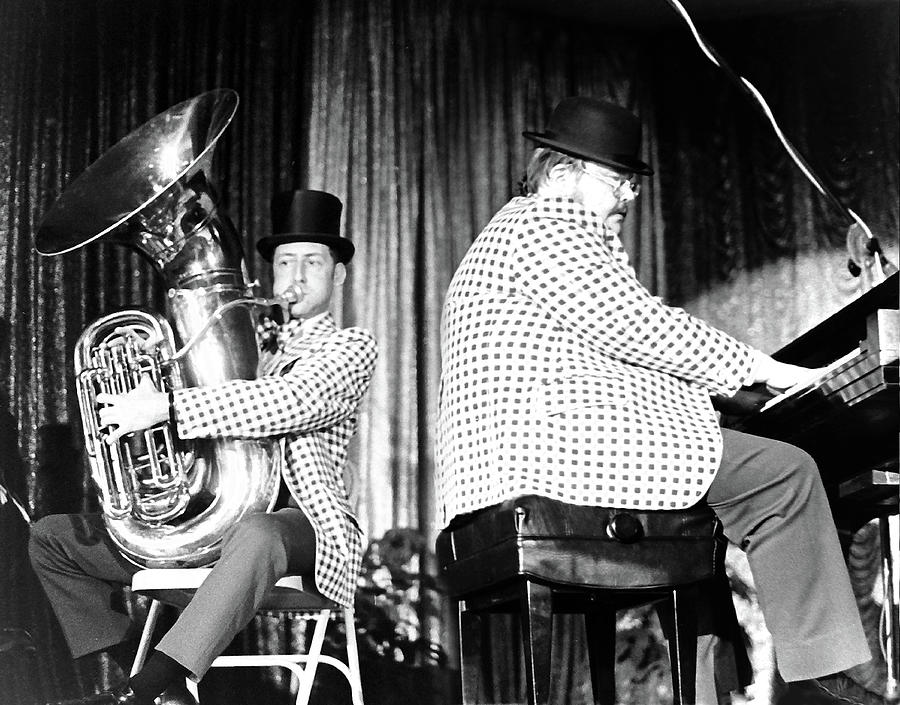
(809, 378)
(781, 376)
(766, 393)
(773, 381)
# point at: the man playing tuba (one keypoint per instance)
(312, 379)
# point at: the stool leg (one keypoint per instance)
(470, 643)
(600, 626)
(683, 645)
(536, 616)
(889, 553)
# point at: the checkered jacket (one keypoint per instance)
(563, 377)
(308, 395)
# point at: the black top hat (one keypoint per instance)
(306, 216)
(595, 130)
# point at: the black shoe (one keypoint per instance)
(121, 696)
(176, 694)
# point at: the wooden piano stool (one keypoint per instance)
(536, 556)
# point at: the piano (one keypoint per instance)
(849, 418)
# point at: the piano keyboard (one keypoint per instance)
(848, 377)
(846, 417)
(808, 385)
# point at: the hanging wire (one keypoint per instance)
(749, 88)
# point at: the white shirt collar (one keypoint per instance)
(308, 323)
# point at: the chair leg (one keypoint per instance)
(536, 616)
(193, 688)
(313, 653)
(600, 626)
(356, 693)
(683, 645)
(146, 635)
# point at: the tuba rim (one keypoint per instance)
(60, 231)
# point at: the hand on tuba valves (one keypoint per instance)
(141, 408)
(123, 378)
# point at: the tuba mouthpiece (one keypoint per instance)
(288, 296)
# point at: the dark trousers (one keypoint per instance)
(83, 572)
(770, 500)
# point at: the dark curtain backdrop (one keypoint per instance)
(411, 112)
(750, 245)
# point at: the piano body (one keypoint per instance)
(849, 421)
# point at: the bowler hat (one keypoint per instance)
(306, 216)
(595, 130)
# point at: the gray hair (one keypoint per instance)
(542, 162)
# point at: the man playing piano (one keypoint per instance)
(563, 377)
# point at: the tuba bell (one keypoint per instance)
(167, 502)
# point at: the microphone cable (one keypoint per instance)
(747, 87)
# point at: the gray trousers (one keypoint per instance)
(82, 573)
(770, 500)
(768, 495)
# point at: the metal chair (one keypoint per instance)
(536, 556)
(176, 587)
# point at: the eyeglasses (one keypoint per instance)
(618, 184)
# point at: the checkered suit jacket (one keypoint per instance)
(308, 395)
(562, 376)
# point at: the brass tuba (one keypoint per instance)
(167, 502)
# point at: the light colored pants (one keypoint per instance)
(83, 572)
(770, 500)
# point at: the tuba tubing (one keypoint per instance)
(167, 502)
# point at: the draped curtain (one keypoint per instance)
(422, 155)
(412, 112)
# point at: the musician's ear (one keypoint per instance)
(560, 180)
(561, 172)
(339, 274)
